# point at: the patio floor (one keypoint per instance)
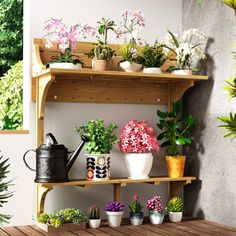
(185, 228)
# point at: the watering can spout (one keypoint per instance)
(76, 153)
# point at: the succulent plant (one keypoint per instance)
(155, 204)
(135, 206)
(114, 206)
(94, 213)
(175, 204)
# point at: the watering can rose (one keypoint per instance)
(138, 137)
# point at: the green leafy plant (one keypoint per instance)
(94, 213)
(11, 98)
(175, 204)
(135, 206)
(175, 130)
(4, 189)
(101, 139)
(130, 52)
(229, 124)
(11, 33)
(57, 218)
(153, 56)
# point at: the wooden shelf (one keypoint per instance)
(175, 186)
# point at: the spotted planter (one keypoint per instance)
(98, 166)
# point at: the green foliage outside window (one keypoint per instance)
(11, 98)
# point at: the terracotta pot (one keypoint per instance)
(101, 64)
(175, 166)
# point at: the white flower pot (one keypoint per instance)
(138, 165)
(66, 65)
(175, 216)
(152, 70)
(114, 218)
(130, 66)
(155, 217)
(136, 218)
(94, 223)
(98, 166)
(182, 72)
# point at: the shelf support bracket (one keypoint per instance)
(117, 192)
(41, 193)
(43, 84)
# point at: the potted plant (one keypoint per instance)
(156, 210)
(136, 214)
(127, 31)
(114, 211)
(187, 49)
(175, 133)
(102, 53)
(101, 140)
(152, 58)
(94, 217)
(175, 208)
(58, 33)
(137, 141)
(65, 219)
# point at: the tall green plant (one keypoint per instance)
(11, 33)
(175, 130)
(11, 98)
(4, 189)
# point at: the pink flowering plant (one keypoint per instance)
(135, 206)
(155, 204)
(128, 31)
(138, 137)
(66, 38)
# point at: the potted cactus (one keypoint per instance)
(114, 211)
(175, 208)
(136, 214)
(94, 217)
(102, 53)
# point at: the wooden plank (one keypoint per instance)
(218, 225)
(82, 233)
(13, 231)
(141, 230)
(29, 231)
(14, 131)
(156, 229)
(97, 232)
(170, 228)
(111, 231)
(127, 231)
(2, 233)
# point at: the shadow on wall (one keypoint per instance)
(196, 102)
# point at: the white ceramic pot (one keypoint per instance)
(98, 166)
(136, 218)
(155, 217)
(114, 218)
(130, 66)
(182, 72)
(94, 223)
(138, 165)
(152, 70)
(66, 65)
(175, 216)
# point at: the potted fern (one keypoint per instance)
(175, 133)
(175, 208)
(101, 141)
(94, 217)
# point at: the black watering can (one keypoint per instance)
(52, 161)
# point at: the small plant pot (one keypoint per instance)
(182, 72)
(94, 223)
(152, 70)
(128, 66)
(175, 216)
(100, 65)
(114, 218)
(66, 65)
(136, 218)
(156, 217)
(175, 166)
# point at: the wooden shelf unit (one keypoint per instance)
(90, 86)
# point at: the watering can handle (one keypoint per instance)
(25, 159)
(50, 137)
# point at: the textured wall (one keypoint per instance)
(211, 158)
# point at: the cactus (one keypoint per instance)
(102, 52)
(94, 213)
(175, 204)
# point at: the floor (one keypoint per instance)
(185, 228)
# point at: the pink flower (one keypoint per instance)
(135, 197)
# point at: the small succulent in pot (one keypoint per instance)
(136, 214)
(94, 217)
(114, 211)
(175, 208)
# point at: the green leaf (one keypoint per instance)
(162, 115)
(183, 141)
(174, 39)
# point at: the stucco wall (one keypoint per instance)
(211, 157)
